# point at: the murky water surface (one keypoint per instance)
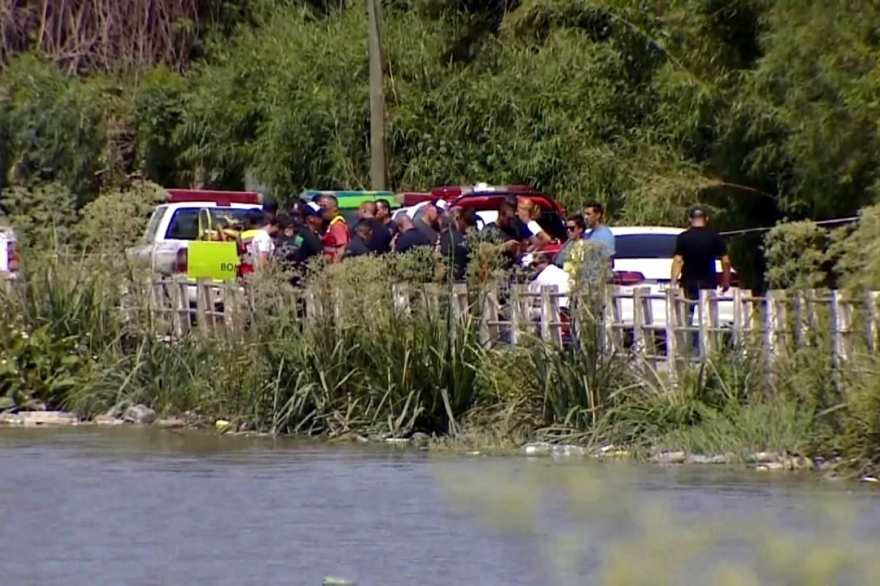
(146, 507)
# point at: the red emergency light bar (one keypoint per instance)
(451, 192)
(411, 198)
(220, 198)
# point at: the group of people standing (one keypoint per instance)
(316, 228)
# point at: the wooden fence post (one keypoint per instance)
(201, 304)
(871, 317)
(704, 306)
(400, 293)
(461, 304)
(778, 300)
(489, 331)
(520, 314)
(639, 320)
(671, 330)
(550, 314)
(841, 325)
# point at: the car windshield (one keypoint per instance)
(184, 223)
(644, 246)
(153, 225)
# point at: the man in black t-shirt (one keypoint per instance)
(693, 266)
(696, 250)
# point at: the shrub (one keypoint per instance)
(116, 220)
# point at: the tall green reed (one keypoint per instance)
(383, 360)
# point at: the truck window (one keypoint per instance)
(184, 224)
(553, 224)
(153, 224)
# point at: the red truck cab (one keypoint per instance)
(485, 198)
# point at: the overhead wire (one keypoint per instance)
(834, 222)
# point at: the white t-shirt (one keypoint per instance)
(552, 275)
(4, 252)
(262, 242)
(534, 227)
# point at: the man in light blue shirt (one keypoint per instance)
(599, 233)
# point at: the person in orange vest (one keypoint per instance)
(337, 236)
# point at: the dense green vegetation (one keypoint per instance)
(69, 346)
(761, 108)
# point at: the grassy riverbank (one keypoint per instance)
(377, 371)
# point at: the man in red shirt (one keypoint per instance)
(338, 235)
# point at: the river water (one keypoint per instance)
(135, 507)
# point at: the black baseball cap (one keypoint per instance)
(697, 211)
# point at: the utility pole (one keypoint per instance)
(378, 160)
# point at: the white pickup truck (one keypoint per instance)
(175, 224)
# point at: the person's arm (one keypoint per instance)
(341, 237)
(677, 262)
(538, 237)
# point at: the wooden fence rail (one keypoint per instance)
(661, 327)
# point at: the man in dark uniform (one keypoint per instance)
(385, 229)
(408, 236)
(360, 243)
(454, 246)
(693, 265)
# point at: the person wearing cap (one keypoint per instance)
(307, 242)
(693, 263)
(296, 212)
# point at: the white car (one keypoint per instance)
(643, 258)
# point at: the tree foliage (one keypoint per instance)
(761, 108)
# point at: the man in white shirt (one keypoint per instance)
(263, 244)
(548, 274)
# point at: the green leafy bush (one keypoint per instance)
(117, 219)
